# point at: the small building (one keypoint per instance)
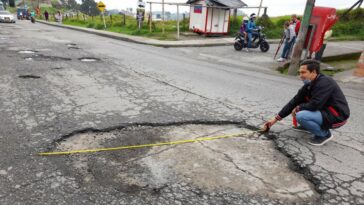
(212, 16)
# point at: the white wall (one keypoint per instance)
(197, 20)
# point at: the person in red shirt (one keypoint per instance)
(297, 23)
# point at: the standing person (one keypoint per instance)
(46, 15)
(320, 53)
(291, 28)
(289, 35)
(251, 30)
(297, 23)
(319, 105)
(59, 17)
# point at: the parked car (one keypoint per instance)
(6, 17)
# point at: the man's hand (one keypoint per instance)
(267, 125)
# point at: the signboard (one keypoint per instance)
(141, 4)
(197, 9)
(140, 14)
(101, 6)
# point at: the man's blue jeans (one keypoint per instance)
(250, 38)
(312, 121)
(287, 47)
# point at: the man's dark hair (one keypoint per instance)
(312, 65)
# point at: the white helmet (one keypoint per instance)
(245, 18)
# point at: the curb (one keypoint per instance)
(148, 41)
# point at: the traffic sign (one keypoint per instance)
(101, 6)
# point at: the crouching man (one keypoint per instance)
(319, 105)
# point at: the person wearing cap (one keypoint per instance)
(251, 29)
(319, 105)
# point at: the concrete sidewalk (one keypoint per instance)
(154, 42)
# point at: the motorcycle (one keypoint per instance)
(257, 41)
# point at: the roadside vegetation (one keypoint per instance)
(116, 23)
(350, 27)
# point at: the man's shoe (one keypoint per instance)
(280, 59)
(246, 49)
(319, 141)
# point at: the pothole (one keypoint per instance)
(27, 52)
(41, 57)
(29, 76)
(57, 68)
(243, 166)
(73, 47)
(71, 44)
(86, 59)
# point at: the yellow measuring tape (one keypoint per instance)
(140, 146)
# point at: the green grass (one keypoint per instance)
(342, 63)
(331, 73)
(116, 24)
(11, 9)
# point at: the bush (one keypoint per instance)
(281, 20)
(90, 25)
(265, 21)
(56, 4)
(117, 24)
(99, 26)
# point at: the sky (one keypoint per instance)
(275, 8)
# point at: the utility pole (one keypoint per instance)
(297, 51)
(260, 7)
(163, 16)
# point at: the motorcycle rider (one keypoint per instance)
(251, 30)
(32, 16)
(243, 28)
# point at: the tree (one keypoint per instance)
(70, 4)
(73, 5)
(56, 4)
(89, 7)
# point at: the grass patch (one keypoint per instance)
(331, 73)
(344, 65)
(336, 64)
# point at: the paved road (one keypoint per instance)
(49, 95)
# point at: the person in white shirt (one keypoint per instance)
(290, 39)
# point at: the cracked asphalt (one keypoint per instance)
(137, 94)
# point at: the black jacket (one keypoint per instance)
(322, 94)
